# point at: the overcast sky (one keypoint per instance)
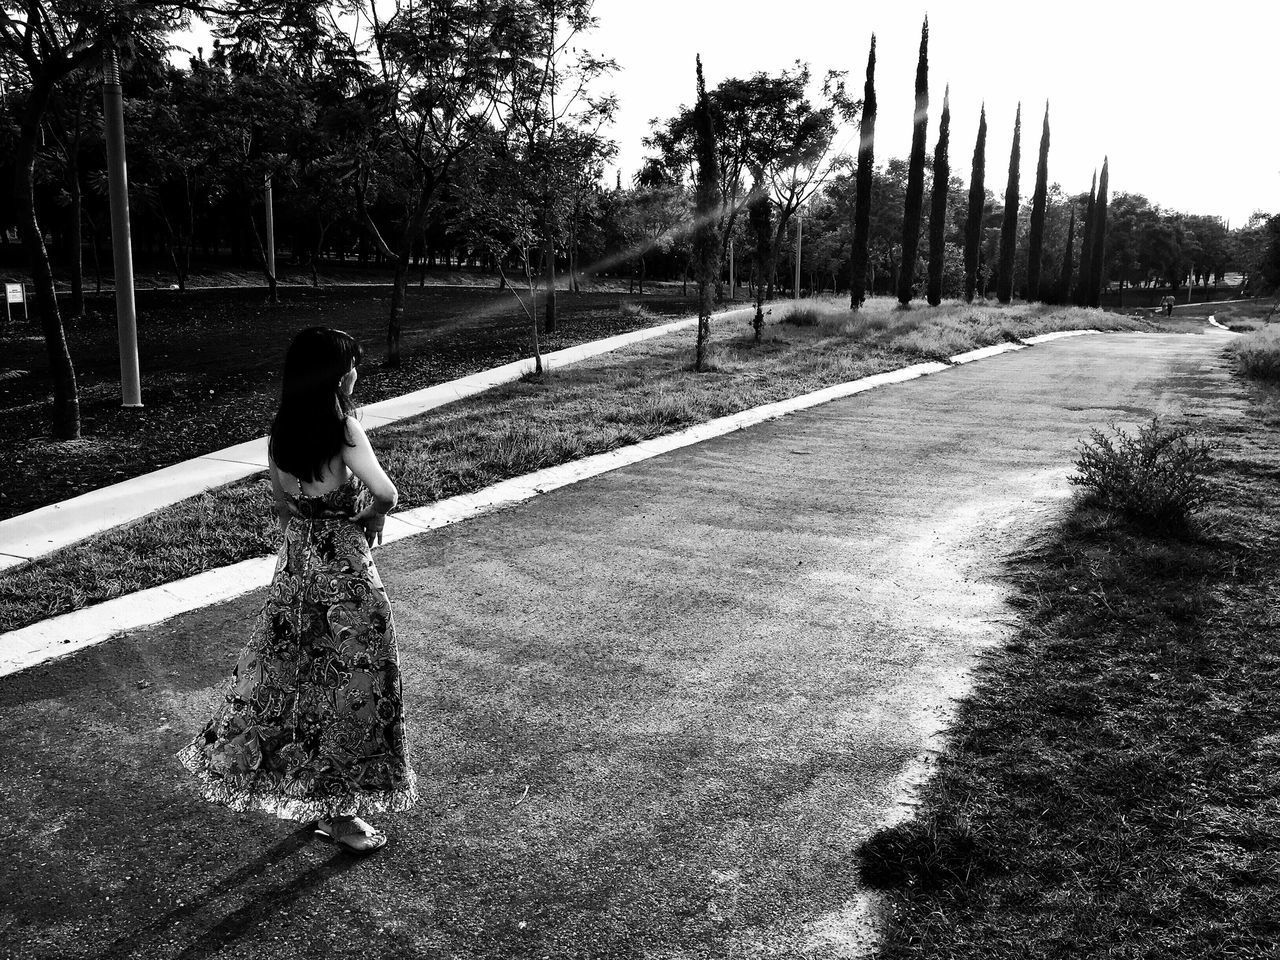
(1181, 96)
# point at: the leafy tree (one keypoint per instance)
(938, 203)
(706, 240)
(1063, 290)
(977, 201)
(1009, 228)
(760, 215)
(1097, 276)
(915, 174)
(860, 253)
(1035, 249)
(1084, 280)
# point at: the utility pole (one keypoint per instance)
(121, 243)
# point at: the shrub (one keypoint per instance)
(1258, 353)
(803, 316)
(1156, 477)
(631, 310)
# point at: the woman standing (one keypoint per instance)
(312, 727)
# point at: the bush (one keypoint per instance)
(1157, 477)
(803, 316)
(1258, 353)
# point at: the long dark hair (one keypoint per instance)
(310, 426)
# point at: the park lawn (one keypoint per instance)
(1244, 316)
(210, 371)
(1112, 784)
(617, 399)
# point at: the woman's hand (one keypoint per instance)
(372, 520)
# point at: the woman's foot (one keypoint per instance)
(352, 833)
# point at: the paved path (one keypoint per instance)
(711, 671)
(57, 525)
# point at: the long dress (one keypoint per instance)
(312, 724)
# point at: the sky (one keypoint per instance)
(1180, 96)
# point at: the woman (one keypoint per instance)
(311, 728)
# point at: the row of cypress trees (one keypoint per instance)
(1088, 286)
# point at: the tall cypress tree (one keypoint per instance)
(1097, 279)
(1039, 201)
(862, 187)
(977, 201)
(1081, 298)
(706, 240)
(938, 204)
(1009, 226)
(915, 174)
(1063, 292)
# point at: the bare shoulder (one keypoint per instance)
(355, 430)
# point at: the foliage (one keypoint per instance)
(1009, 225)
(860, 255)
(1156, 477)
(1039, 200)
(973, 219)
(914, 201)
(938, 204)
(1258, 353)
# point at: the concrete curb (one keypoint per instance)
(62, 635)
(1213, 322)
(58, 525)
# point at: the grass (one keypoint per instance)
(1245, 316)
(610, 401)
(1258, 353)
(1111, 785)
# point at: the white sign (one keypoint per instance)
(13, 293)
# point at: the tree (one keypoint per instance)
(766, 125)
(1009, 225)
(706, 237)
(915, 174)
(760, 216)
(1083, 282)
(858, 257)
(1035, 248)
(439, 72)
(938, 203)
(1063, 291)
(42, 44)
(1097, 276)
(977, 201)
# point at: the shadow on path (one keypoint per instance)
(241, 922)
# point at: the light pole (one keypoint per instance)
(121, 244)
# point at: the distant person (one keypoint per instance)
(1167, 304)
(312, 727)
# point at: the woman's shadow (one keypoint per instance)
(241, 922)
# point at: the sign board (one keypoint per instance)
(14, 293)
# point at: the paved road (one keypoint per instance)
(711, 671)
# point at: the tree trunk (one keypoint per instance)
(549, 254)
(399, 293)
(66, 400)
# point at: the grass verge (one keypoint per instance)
(610, 401)
(1258, 353)
(1111, 785)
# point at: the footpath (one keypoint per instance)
(653, 712)
(49, 528)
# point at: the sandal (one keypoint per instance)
(344, 831)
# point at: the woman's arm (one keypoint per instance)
(285, 506)
(363, 462)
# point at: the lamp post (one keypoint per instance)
(121, 244)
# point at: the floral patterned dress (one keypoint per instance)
(312, 721)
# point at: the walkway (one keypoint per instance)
(50, 528)
(653, 713)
